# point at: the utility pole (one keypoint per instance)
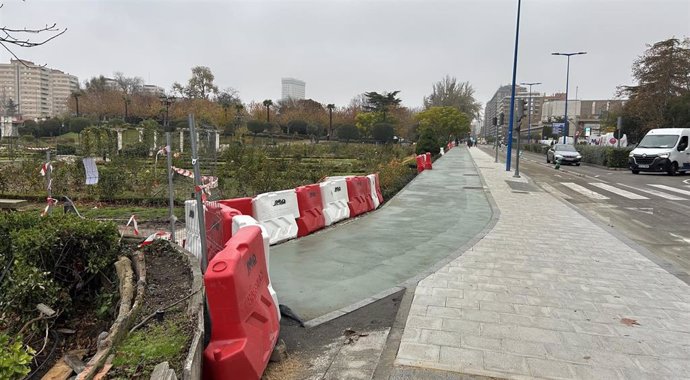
(529, 109)
(619, 126)
(509, 146)
(171, 191)
(520, 115)
(496, 122)
(197, 194)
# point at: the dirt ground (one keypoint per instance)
(306, 347)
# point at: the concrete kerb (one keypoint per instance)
(412, 282)
(386, 364)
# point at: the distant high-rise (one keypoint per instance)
(37, 91)
(293, 88)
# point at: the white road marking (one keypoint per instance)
(669, 188)
(661, 194)
(642, 224)
(680, 238)
(552, 190)
(584, 191)
(615, 190)
(646, 210)
(686, 181)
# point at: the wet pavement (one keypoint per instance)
(425, 223)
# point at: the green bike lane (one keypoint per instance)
(331, 272)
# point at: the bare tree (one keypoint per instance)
(22, 37)
(448, 92)
(128, 85)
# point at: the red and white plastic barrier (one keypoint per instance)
(243, 314)
(334, 199)
(310, 206)
(241, 221)
(278, 212)
(359, 193)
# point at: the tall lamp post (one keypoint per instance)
(512, 92)
(529, 109)
(567, 78)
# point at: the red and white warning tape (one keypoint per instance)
(208, 181)
(133, 221)
(155, 236)
(37, 149)
(50, 203)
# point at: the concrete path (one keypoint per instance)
(558, 297)
(343, 267)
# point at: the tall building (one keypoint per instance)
(293, 88)
(38, 92)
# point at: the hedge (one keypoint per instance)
(608, 156)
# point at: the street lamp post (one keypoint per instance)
(330, 119)
(567, 79)
(512, 92)
(76, 100)
(529, 109)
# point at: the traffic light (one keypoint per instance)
(520, 109)
(501, 119)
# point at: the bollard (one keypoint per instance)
(558, 164)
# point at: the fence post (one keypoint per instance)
(171, 191)
(198, 193)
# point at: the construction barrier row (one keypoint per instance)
(423, 162)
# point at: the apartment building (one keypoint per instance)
(38, 92)
(293, 88)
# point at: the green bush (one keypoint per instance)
(53, 259)
(617, 157)
(605, 155)
(14, 359)
(139, 149)
(428, 142)
(66, 149)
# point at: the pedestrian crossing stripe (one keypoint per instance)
(669, 188)
(615, 190)
(660, 194)
(584, 191)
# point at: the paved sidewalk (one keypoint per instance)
(532, 300)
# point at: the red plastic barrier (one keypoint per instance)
(243, 317)
(420, 163)
(218, 218)
(378, 189)
(243, 205)
(359, 194)
(310, 210)
(427, 161)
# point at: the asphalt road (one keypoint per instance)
(651, 209)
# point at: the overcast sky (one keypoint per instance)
(343, 48)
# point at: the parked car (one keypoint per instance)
(662, 150)
(566, 153)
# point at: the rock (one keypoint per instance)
(279, 352)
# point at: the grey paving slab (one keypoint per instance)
(423, 224)
(552, 303)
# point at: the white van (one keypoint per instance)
(662, 150)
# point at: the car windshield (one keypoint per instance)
(658, 141)
(565, 148)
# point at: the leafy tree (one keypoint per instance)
(365, 122)
(78, 124)
(199, 86)
(428, 142)
(381, 102)
(677, 113)
(383, 132)
(347, 132)
(443, 122)
(256, 126)
(448, 92)
(297, 126)
(268, 103)
(662, 74)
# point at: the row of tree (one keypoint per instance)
(661, 97)
(448, 110)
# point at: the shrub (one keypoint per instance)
(66, 149)
(383, 132)
(617, 157)
(53, 260)
(428, 142)
(139, 149)
(14, 360)
(605, 155)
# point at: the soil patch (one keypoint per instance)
(167, 335)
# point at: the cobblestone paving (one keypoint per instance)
(558, 298)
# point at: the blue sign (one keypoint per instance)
(557, 128)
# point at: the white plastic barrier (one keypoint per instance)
(191, 223)
(374, 196)
(334, 199)
(277, 211)
(193, 244)
(442, 151)
(240, 221)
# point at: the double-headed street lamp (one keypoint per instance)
(529, 108)
(567, 77)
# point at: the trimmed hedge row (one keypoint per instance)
(608, 156)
